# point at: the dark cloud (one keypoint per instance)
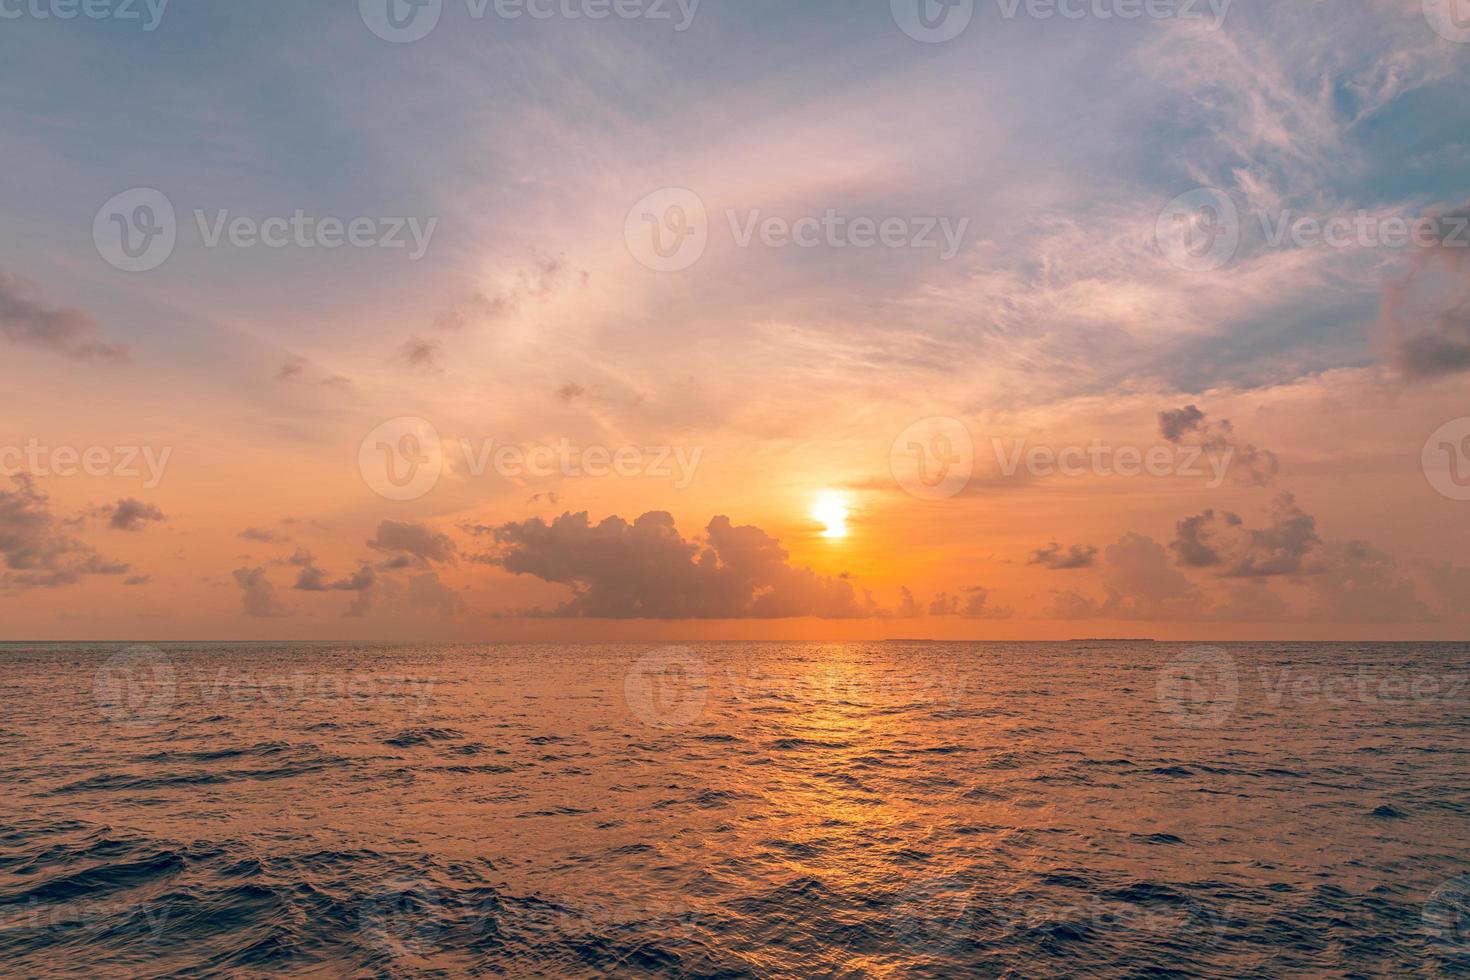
(132, 515)
(263, 536)
(1337, 581)
(37, 553)
(1189, 426)
(26, 320)
(292, 370)
(1223, 542)
(570, 392)
(1425, 316)
(972, 603)
(1055, 557)
(259, 595)
(647, 570)
(908, 606)
(135, 580)
(1174, 424)
(311, 578)
(413, 545)
(295, 369)
(421, 354)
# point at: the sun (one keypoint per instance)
(830, 510)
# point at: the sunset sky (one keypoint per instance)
(767, 410)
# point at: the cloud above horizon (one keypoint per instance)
(648, 570)
(37, 553)
(27, 320)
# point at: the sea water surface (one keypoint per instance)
(754, 809)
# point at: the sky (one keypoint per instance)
(640, 319)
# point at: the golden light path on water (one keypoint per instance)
(763, 809)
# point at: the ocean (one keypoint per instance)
(737, 809)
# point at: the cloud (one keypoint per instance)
(421, 593)
(647, 570)
(292, 369)
(1053, 556)
(1360, 584)
(26, 320)
(133, 515)
(570, 392)
(263, 536)
(1140, 584)
(295, 370)
(972, 603)
(1451, 585)
(313, 579)
(1222, 541)
(908, 606)
(413, 545)
(1335, 581)
(1174, 424)
(37, 555)
(544, 277)
(135, 580)
(421, 354)
(379, 594)
(1247, 464)
(259, 595)
(1426, 314)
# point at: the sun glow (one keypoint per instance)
(830, 510)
